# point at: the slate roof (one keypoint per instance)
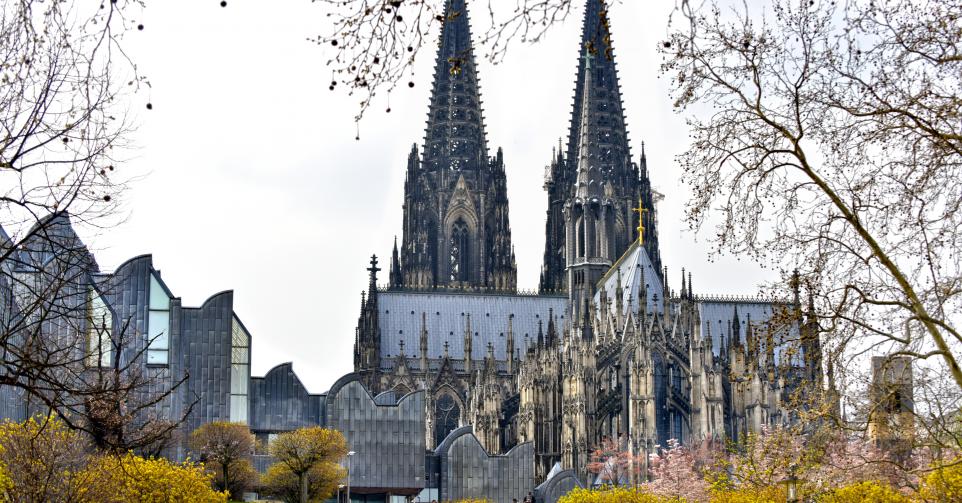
(446, 314)
(717, 316)
(635, 267)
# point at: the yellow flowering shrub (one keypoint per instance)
(869, 490)
(5, 483)
(943, 484)
(762, 494)
(614, 495)
(149, 480)
(43, 460)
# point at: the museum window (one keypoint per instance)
(158, 323)
(99, 326)
(240, 361)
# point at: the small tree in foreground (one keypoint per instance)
(682, 471)
(226, 449)
(613, 463)
(322, 480)
(307, 461)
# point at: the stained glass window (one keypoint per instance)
(447, 415)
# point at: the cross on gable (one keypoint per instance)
(641, 210)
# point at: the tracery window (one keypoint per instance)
(447, 415)
(459, 251)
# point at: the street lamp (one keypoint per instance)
(340, 487)
(791, 485)
(349, 456)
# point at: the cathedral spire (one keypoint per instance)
(455, 137)
(372, 272)
(607, 118)
(589, 177)
(457, 234)
(395, 277)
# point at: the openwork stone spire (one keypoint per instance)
(456, 229)
(596, 163)
(590, 158)
(455, 137)
(606, 127)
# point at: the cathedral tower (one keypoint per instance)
(456, 228)
(598, 147)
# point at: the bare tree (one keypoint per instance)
(374, 42)
(67, 86)
(828, 137)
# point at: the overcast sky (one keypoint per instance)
(254, 181)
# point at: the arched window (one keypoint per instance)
(447, 415)
(580, 237)
(459, 251)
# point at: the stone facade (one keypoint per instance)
(616, 352)
(456, 228)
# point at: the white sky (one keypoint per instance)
(254, 181)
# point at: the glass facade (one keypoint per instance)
(100, 323)
(158, 324)
(240, 372)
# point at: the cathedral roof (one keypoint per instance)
(455, 131)
(718, 319)
(399, 320)
(631, 272)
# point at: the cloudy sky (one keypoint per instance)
(254, 182)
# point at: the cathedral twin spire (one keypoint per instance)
(456, 228)
(455, 137)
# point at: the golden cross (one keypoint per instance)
(641, 210)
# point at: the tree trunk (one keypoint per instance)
(227, 481)
(302, 479)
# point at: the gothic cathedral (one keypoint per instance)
(605, 350)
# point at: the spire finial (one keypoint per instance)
(641, 210)
(373, 270)
(588, 56)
